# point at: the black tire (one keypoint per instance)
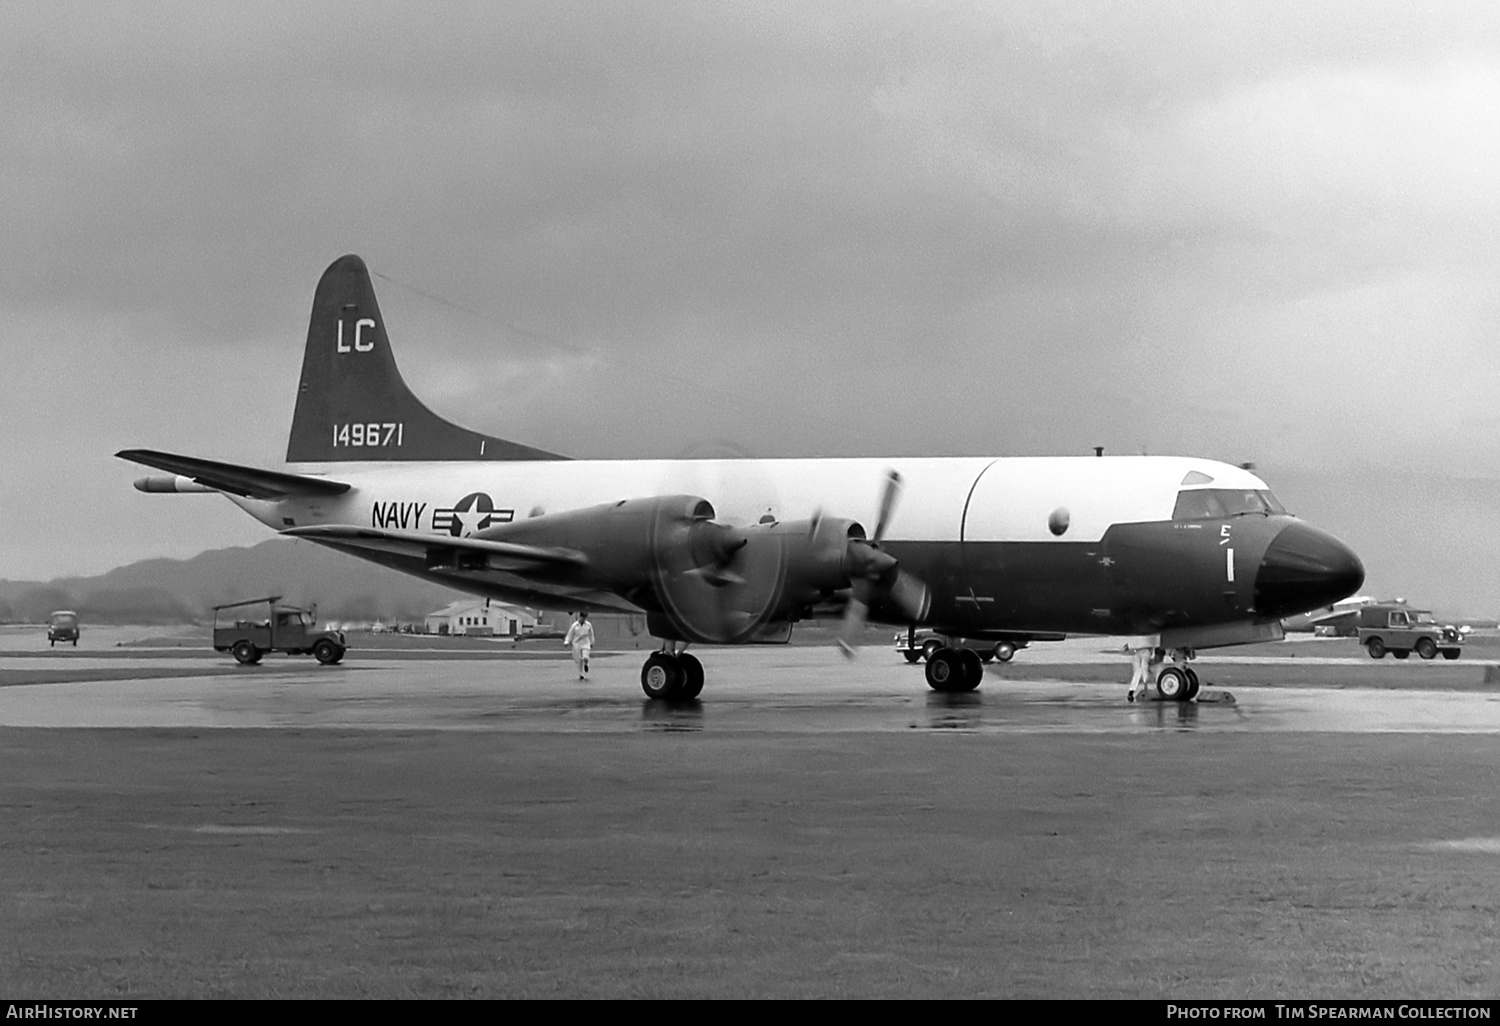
(1400, 653)
(1193, 685)
(245, 653)
(1376, 648)
(987, 656)
(1172, 684)
(973, 670)
(327, 653)
(1450, 653)
(1426, 648)
(944, 670)
(692, 677)
(661, 677)
(930, 647)
(912, 657)
(75, 642)
(1005, 651)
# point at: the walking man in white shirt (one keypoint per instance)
(581, 636)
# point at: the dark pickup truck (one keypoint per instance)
(283, 629)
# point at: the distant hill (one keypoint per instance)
(182, 590)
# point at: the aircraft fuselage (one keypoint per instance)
(1069, 544)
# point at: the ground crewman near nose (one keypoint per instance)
(1140, 672)
(581, 636)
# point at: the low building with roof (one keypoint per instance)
(480, 617)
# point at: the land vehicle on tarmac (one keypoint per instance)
(284, 629)
(62, 626)
(1400, 630)
(917, 644)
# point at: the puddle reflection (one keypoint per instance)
(672, 716)
(963, 710)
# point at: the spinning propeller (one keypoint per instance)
(875, 576)
(716, 583)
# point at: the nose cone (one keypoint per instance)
(1304, 569)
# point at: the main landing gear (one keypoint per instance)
(954, 669)
(1177, 684)
(672, 676)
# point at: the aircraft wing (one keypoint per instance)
(1344, 618)
(439, 552)
(250, 482)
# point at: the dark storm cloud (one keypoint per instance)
(614, 229)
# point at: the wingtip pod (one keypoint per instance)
(352, 403)
(160, 483)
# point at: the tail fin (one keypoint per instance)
(352, 403)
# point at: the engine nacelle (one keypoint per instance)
(773, 572)
(710, 583)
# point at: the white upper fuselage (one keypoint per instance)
(942, 499)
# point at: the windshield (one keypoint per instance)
(1423, 618)
(1216, 503)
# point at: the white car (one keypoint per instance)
(915, 645)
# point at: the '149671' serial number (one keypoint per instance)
(368, 434)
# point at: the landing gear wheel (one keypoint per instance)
(912, 657)
(1005, 651)
(245, 653)
(662, 676)
(1426, 648)
(1400, 653)
(692, 677)
(928, 648)
(327, 653)
(1192, 690)
(944, 670)
(973, 669)
(1172, 684)
(1376, 648)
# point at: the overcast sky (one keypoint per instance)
(1252, 231)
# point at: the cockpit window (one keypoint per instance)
(1218, 503)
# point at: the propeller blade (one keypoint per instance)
(854, 621)
(887, 504)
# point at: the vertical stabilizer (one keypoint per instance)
(352, 403)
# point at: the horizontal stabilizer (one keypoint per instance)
(440, 552)
(250, 482)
